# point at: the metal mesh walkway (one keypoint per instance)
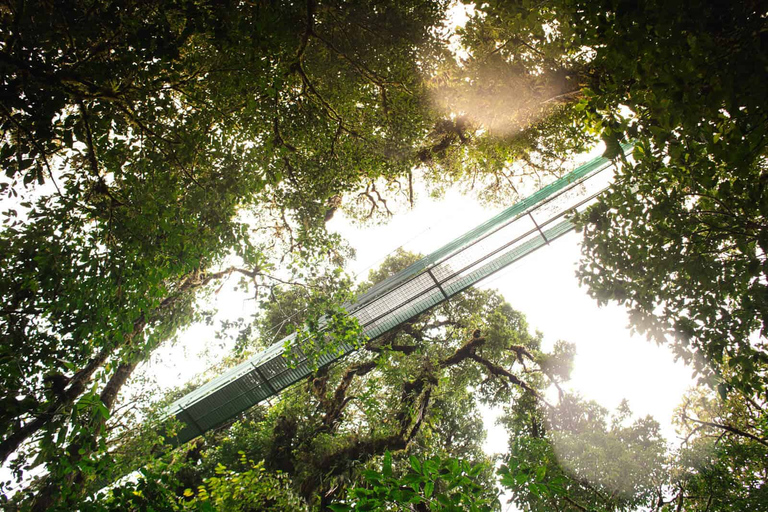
(512, 234)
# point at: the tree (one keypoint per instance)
(680, 238)
(156, 148)
(512, 97)
(157, 124)
(151, 150)
(721, 464)
(577, 457)
(413, 392)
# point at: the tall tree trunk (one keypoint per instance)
(74, 482)
(85, 446)
(75, 388)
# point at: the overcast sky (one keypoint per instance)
(611, 363)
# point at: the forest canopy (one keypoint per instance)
(151, 150)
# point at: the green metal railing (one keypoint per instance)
(507, 237)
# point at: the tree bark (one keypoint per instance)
(51, 490)
(80, 379)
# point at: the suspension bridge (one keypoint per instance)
(500, 241)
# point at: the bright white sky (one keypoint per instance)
(611, 363)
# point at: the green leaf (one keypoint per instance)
(722, 390)
(387, 466)
(612, 146)
(415, 464)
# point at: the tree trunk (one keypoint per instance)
(51, 490)
(76, 386)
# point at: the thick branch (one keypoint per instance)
(728, 428)
(335, 406)
(83, 445)
(498, 371)
(308, 30)
(76, 386)
(414, 406)
(405, 349)
(363, 449)
(464, 352)
(575, 504)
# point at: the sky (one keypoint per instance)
(611, 363)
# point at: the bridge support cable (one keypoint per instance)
(507, 237)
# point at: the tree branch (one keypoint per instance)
(335, 406)
(728, 428)
(498, 371)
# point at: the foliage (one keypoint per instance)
(252, 489)
(680, 238)
(150, 490)
(577, 457)
(403, 408)
(327, 330)
(722, 462)
(513, 96)
(164, 146)
(248, 490)
(574, 456)
(151, 150)
(432, 484)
